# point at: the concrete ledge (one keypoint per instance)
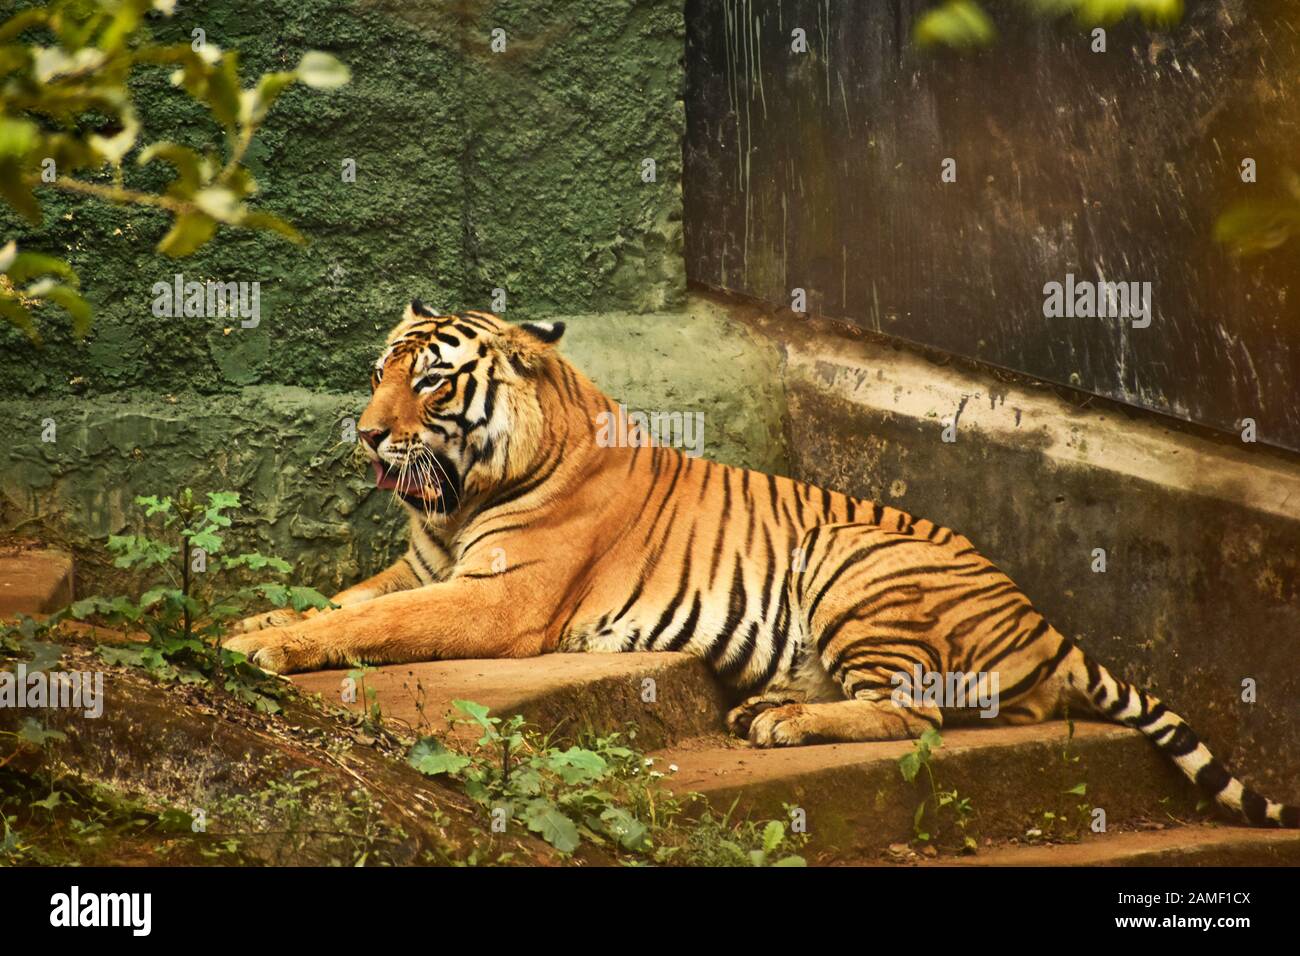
(1178, 846)
(568, 693)
(1201, 588)
(34, 581)
(857, 801)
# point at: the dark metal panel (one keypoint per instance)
(821, 171)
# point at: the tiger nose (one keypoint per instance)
(373, 436)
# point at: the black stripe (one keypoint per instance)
(687, 631)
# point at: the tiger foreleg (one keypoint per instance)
(398, 577)
(461, 618)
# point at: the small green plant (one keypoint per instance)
(720, 841)
(963, 813)
(373, 715)
(185, 615)
(600, 791)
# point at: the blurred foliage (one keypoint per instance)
(1252, 228)
(65, 108)
(1247, 228)
(964, 23)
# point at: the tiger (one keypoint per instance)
(533, 531)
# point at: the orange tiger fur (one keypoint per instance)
(528, 535)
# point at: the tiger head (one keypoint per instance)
(455, 409)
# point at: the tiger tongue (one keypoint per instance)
(388, 479)
(383, 477)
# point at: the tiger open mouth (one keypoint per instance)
(409, 484)
(421, 487)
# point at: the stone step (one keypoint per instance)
(1203, 845)
(856, 802)
(34, 581)
(668, 696)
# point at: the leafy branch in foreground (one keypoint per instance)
(66, 108)
(964, 23)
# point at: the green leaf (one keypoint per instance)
(50, 802)
(207, 540)
(1079, 790)
(188, 165)
(957, 23)
(18, 316)
(630, 832)
(478, 713)
(791, 861)
(577, 765)
(264, 220)
(72, 303)
(303, 598)
(153, 504)
(29, 265)
(32, 732)
(322, 71)
(910, 765)
(188, 233)
(221, 92)
(544, 819)
(255, 103)
(773, 834)
(18, 137)
(121, 656)
(277, 594)
(45, 654)
(256, 561)
(431, 758)
(222, 501)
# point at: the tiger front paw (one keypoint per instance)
(785, 726)
(741, 717)
(278, 650)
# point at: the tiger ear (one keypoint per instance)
(418, 310)
(546, 332)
